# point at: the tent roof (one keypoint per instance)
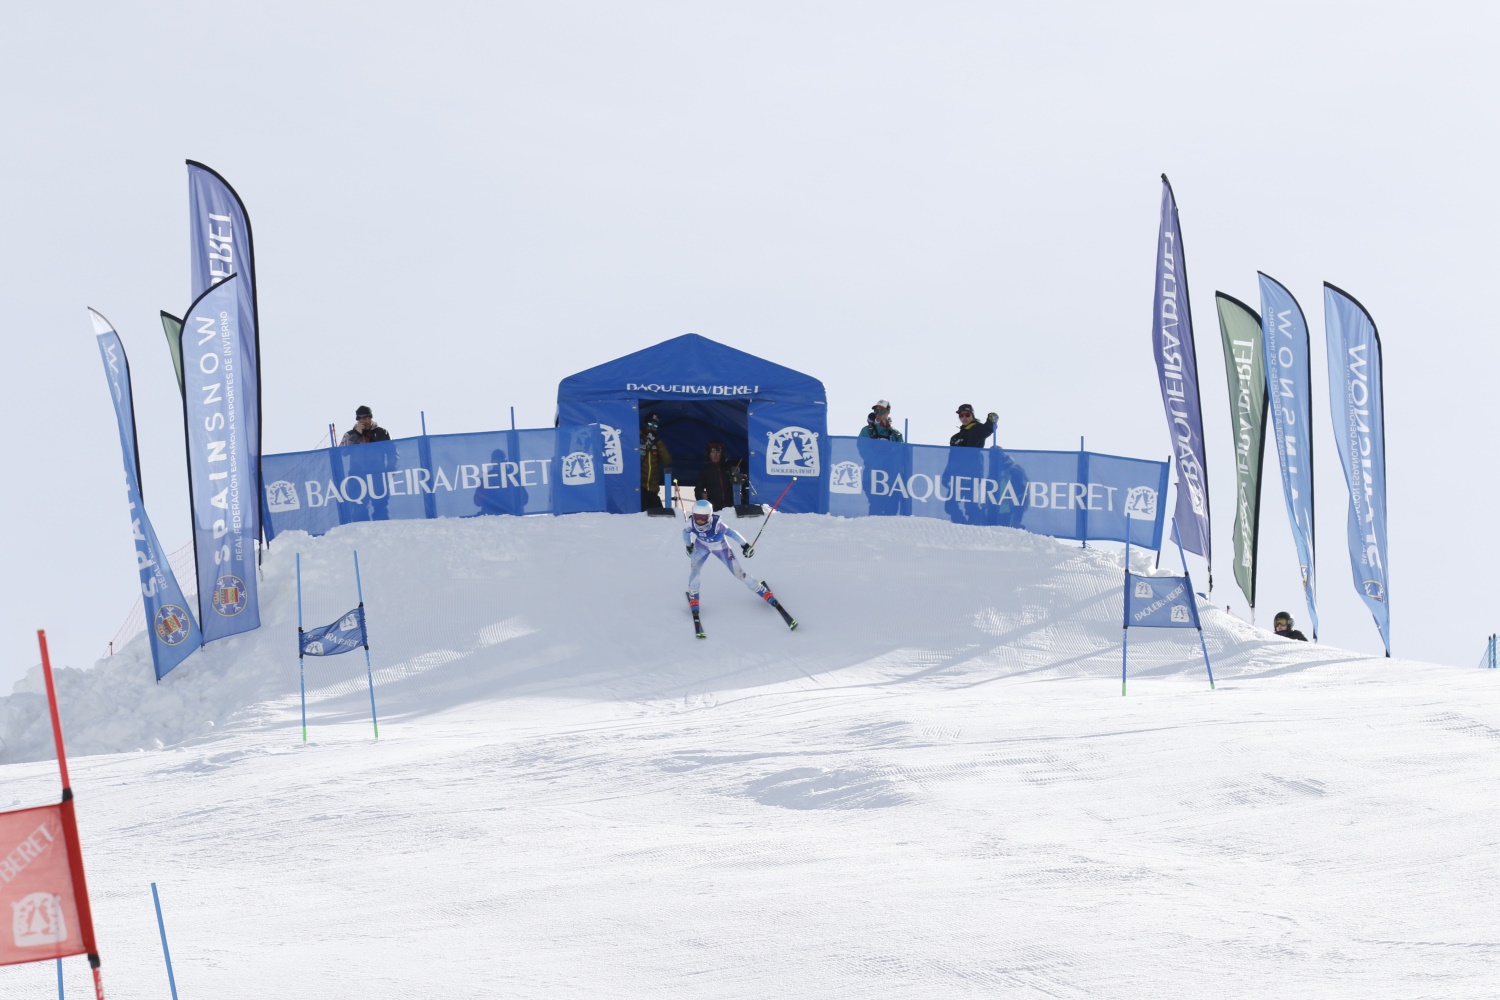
(691, 367)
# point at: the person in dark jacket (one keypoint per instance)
(655, 460)
(371, 466)
(972, 434)
(365, 429)
(716, 477)
(1283, 625)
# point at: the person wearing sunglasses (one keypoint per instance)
(655, 460)
(878, 425)
(971, 433)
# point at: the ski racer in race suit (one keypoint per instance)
(706, 534)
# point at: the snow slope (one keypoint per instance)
(933, 788)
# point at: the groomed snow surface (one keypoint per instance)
(932, 788)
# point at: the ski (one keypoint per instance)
(697, 622)
(771, 599)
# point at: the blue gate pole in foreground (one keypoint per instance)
(369, 674)
(166, 953)
(59, 980)
(301, 675)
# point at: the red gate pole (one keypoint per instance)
(70, 826)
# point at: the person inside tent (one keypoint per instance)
(879, 423)
(972, 434)
(717, 476)
(655, 460)
(1283, 625)
(706, 534)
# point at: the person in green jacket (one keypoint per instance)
(655, 459)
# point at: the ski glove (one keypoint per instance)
(747, 549)
(993, 416)
(690, 549)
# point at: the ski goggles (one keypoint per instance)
(702, 518)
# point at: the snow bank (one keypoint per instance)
(589, 606)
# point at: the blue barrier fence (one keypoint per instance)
(552, 471)
(1078, 495)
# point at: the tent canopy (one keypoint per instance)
(773, 419)
(691, 367)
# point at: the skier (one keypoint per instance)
(706, 534)
(1283, 626)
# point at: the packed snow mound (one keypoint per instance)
(591, 607)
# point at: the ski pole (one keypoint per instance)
(773, 510)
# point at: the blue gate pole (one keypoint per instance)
(424, 423)
(332, 442)
(369, 674)
(301, 674)
(1085, 515)
(1125, 620)
(1204, 644)
(161, 925)
(512, 418)
(906, 429)
(59, 980)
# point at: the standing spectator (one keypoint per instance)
(365, 429)
(972, 434)
(716, 477)
(372, 465)
(655, 459)
(1283, 625)
(879, 423)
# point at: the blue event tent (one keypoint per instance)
(772, 419)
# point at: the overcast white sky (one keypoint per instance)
(457, 206)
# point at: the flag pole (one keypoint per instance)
(1194, 598)
(301, 674)
(70, 825)
(369, 675)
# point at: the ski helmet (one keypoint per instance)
(1282, 618)
(703, 512)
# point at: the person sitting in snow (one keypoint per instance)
(706, 534)
(1283, 625)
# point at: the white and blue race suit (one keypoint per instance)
(716, 538)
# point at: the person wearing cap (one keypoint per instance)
(371, 465)
(655, 460)
(706, 534)
(716, 477)
(878, 424)
(972, 434)
(1283, 625)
